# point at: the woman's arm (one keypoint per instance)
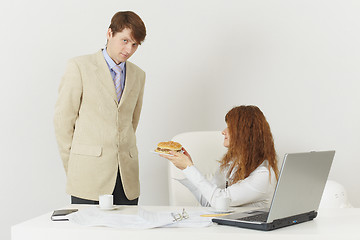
(195, 191)
(252, 189)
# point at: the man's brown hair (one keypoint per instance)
(131, 20)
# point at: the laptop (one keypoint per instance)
(296, 197)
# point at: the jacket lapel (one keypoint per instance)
(130, 81)
(104, 76)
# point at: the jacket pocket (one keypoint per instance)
(88, 150)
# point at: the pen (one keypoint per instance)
(214, 215)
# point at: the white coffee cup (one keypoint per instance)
(222, 204)
(106, 201)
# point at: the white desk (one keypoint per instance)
(329, 224)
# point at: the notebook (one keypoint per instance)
(296, 197)
(61, 215)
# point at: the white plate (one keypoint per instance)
(221, 211)
(108, 209)
(158, 153)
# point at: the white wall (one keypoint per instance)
(297, 60)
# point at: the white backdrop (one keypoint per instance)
(297, 60)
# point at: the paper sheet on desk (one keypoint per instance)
(93, 216)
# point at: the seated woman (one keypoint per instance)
(248, 171)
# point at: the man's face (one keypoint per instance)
(120, 46)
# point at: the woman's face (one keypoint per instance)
(225, 132)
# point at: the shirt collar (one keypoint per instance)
(111, 62)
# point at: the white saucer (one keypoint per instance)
(222, 211)
(108, 209)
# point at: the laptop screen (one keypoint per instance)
(301, 183)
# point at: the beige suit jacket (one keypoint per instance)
(95, 133)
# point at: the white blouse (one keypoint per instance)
(256, 190)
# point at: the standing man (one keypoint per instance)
(96, 115)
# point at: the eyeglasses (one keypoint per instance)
(180, 216)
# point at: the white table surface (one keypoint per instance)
(329, 224)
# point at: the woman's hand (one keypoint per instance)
(180, 160)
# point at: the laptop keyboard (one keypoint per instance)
(256, 218)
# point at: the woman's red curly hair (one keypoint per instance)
(251, 142)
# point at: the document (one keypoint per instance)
(93, 216)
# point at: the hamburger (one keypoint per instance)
(166, 147)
